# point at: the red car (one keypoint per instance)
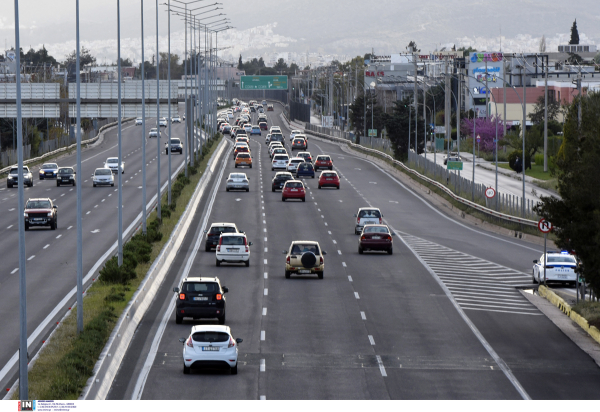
(323, 161)
(376, 237)
(263, 126)
(293, 189)
(329, 179)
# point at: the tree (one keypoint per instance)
(85, 58)
(397, 125)
(128, 63)
(412, 46)
(542, 47)
(575, 216)
(281, 65)
(240, 64)
(467, 51)
(537, 115)
(38, 57)
(293, 68)
(574, 33)
(485, 128)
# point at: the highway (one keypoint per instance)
(51, 255)
(438, 319)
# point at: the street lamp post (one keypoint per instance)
(158, 197)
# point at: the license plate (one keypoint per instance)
(294, 190)
(376, 237)
(370, 222)
(200, 298)
(328, 179)
(210, 348)
(65, 180)
(232, 249)
(243, 163)
(304, 271)
(238, 186)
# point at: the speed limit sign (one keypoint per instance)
(544, 226)
(490, 192)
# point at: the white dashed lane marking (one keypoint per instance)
(363, 316)
(15, 270)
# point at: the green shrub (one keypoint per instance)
(176, 189)
(183, 179)
(538, 159)
(512, 158)
(115, 274)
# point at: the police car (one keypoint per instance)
(560, 267)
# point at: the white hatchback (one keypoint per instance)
(210, 346)
(293, 163)
(233, 248)
(280, 161)
(294, 133)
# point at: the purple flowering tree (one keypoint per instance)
(486, 128)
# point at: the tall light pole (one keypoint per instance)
(144, 212)
(158, 197)
(120, 189)
(23, 355)
(169, 120)
(79, 225)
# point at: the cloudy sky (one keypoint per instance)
(344, 27)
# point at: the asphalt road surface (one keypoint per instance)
(438, 319)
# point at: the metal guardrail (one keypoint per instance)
(64, 149)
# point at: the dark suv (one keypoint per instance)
(200, 298)
(65, 176)
(279, 180)
(41, 212)
(305, 170)
(213, 234)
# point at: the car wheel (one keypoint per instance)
(207, 248)
(360, 250)
(53, 225)
(218, 262)
(57, 184)
(94, 184)
(73, 183)
(26, 227)
(31, 184)
(178, 319)
(236, 165)
(272, 189)
(112, 185)
(9, 186)
(272, 169)
(304, 199)
(338, 188)
(390, 251)
(313, 176)
(227, 189)
(234, 370)
(186, 369)
(287, 274)
(166, 152)
(320, 274)
(283, 199)
(247, 263)
(247, 190)
(250, 166)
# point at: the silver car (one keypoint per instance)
(13, 177)
(280, 161)
(103, 176)
(238, 181)
(153, 132)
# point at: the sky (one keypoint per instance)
(351, 27)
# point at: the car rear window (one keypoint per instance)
(222, 229)
(232, 240)
(282, 157)
(210, 337)
(369, 213)
(323, 158)
(298, 141)
(305, 166)
(561, 259)
(300, 248)
(297, 161)
(329, 174)
(200, 287)
(294, 185)
(376, 229)
(244, 156)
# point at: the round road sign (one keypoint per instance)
(544, 226)
(478, 138)
(490, 192)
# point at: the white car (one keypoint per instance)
(233, 248)
(176, 119)
(103, 176)
(367, 216)
(138, 121)
(273, 147)
(153, 132)
(162, 122)
(294, 133)
(275, 128)
(112, 163)
(248, 128)
(210, 345)
(293, 164)
(560, 268)
(268, 138)
(280, 161)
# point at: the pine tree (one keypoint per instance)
(240, 64)
(574, 33)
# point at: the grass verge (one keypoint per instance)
(66, 361)
(536, 171)
(590, 311)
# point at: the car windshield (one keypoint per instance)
(232, 240)
(210, 337)
(16, 170)
(207, 287)
(376, 229)
(50, 166)
(103, 172)
(222, 229)
(301, 248)
(175, 141)
(561, 259)
(294, 185)
(369, 214)
(38, 204)
(112, 160)
(65, 170)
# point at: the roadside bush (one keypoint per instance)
(538, 159)
(176, 190)
(153, 233)
(113, 273)
(512, 159)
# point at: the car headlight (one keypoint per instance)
(49, 214)
(26, 214)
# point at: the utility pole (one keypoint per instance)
(447, 106)
(416, 103)
(545, 118)
(158, 197)
(504, 95)
(79, 215)
(523, 77)
(119, 174)
(144, 212)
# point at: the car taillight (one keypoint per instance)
(182, 296)
(388, 237)
(190, 343)
(321, 260)
(357, 220)
(380, 221)
(231, 343)
(219, 245)
(219, 296)
(287, 260)
(363, 237)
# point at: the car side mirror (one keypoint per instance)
(324, 253)
(249, 243)
(393, 234)
(535, 261)
(176, 290)
(182, 340)
(355, 215)
(285, 252)
(55, 207)
(239, 340)
(206, 231)
(74, 173)
(225, 289)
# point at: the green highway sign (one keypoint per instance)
(263, 82)
(372, 132)
(455, 165)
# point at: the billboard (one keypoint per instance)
(482, 67)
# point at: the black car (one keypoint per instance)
(279, 180)
(176, 146)
(41, 212)
(213, 234)
(65, 176)
(200, 298)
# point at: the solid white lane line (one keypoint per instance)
(349, 278)
(14, 271)
(356, 295)
(263, 367)
(262, 335)
(47, 246)
(264, 312)
(363, 316)
(381, 367)
(30, 257)
(371, 340)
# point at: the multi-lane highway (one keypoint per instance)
(51, 255)
(438, 319)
